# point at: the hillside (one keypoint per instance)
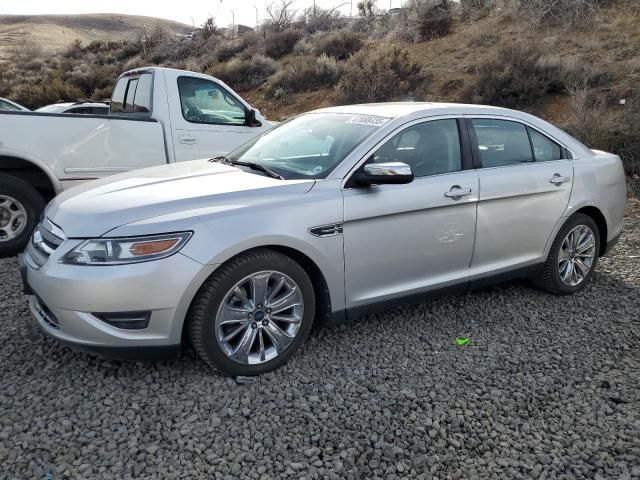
(581, 72)
(52, 32)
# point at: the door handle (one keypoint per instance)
(187, 140)
(457, 192)
(558, 179)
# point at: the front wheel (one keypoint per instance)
(252, 314)
(572, 258)
(20, 208)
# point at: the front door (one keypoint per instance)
(405, 239)
(208, 121)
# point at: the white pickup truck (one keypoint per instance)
(156, 116)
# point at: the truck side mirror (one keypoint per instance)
(251, 120)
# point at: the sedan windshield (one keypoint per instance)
(309, 146)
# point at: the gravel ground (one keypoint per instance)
(547, 388)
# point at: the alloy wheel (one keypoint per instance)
(259, 317)
(576, 256)
(13, 218)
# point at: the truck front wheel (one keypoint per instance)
(20, 209)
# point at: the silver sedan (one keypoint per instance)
(330, 215)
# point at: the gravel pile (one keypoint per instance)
(547, 388)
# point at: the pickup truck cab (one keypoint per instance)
(156, 116)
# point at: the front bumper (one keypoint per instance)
(65, 298)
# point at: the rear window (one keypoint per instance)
(133, 94)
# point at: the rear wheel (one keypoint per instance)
(20, 208)
(573, 257)
(252, 314)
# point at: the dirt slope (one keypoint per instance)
(52, 32)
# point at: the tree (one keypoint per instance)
(280, 15)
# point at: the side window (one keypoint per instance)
(502, 142)
(80, 110)
(544, 149)
(203, 101)
(429, 148)
(131, 93)
(142, 99)
(7, 106)
(100, 110)
(117, 98)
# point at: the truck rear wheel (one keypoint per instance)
(20, 209)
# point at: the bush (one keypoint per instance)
(339, 45)
(475, 8)
(558, 12)
(615, 130)
(230, 48)
(279, 44)
(304, 74)
(433, 18)
(243, 75)
(52, 89)
(320, 19)
(523, 75)
(387, 73)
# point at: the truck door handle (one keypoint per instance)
(558, 179)
(187, 140)
(457, 192)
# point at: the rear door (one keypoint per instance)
(208, 120)
(525, 185)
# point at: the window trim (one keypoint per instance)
(229, 92)
(463, 138)
(567, 153)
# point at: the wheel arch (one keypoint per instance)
(596, 214)
(33, 171)
(321, 288)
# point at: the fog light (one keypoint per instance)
(125, 320)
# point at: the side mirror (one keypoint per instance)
(251, 120)
(390, 173)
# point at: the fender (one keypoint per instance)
(35, 161)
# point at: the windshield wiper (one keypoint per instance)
(251, 165)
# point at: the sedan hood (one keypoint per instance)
(95, 208)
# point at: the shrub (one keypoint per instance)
(558, 12)
(475, 8)
(52, 89)
(522, 75)
(320, 19)
(340, 45)
(615, 130)
(279, 44)
(230, 48)
(246, 74)
(384, 74)
(433, 18)
(304, 74)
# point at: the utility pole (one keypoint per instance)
(233, 24)
(257, 21)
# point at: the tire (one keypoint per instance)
(550, 278)
(217, 311)
(16, 195)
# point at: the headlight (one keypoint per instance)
(119, 251)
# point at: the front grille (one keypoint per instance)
(45, 240)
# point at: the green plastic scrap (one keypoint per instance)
(462, 341)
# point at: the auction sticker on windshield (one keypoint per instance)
(371, 120)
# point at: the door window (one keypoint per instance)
(203, 101)
(544, 150)
(502, 142)
(429, 148)
(8, 106)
